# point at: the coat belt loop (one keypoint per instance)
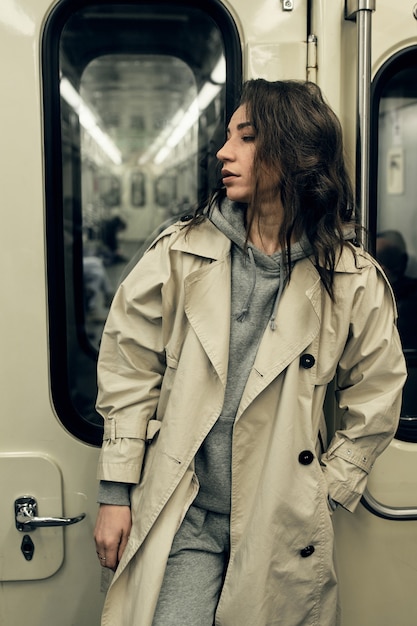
(154, 426)
(112, 424)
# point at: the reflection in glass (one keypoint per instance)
(137, 189)
(391, 252)
(140, 103)
(142, 114)
(166, 191)
(109, 190)
(396, 246)
(396, 242)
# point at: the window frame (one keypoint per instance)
(401, 60)
(71, 418)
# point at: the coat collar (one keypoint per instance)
(207, 305)
(203, 240)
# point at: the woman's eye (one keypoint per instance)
(248, 138)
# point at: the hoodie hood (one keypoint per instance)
(229, 218)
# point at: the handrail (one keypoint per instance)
(361, 11)
(388, 512)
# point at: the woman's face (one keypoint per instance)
(237, 156)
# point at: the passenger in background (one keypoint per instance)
(110, 229)
(392, 254)
(98, 292)
(218, 476)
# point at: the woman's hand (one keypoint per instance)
(111, 533)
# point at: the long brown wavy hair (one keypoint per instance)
(299, 138)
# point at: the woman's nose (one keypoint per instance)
(223, 154)
(219, 154)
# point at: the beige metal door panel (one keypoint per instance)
(21, 475)
(394, 28)
(376, 547)
(61, 582)
(393, 481)
(376, 557)
(274, 37)
(376, 561)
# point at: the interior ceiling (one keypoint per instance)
(136, 65)
(134, 97)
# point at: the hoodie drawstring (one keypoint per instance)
(242, 315)
(244, 311)
(272, 323)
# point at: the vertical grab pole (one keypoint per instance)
(361, 12)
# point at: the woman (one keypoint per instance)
(218, 479)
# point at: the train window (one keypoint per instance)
(136, 96)
(395, 219)
(137, 190)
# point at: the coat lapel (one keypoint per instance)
(207, 306)
(208, 293)
(298, 322)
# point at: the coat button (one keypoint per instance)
(307, 361)
(305, 457)
(307, 551)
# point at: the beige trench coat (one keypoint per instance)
(162, 373)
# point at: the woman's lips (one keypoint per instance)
(227, 176)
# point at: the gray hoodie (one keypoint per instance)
(258, 281)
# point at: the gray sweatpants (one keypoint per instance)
(195, 570)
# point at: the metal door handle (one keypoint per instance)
(26, 509)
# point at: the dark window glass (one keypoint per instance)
(395, 218)
(136, 96)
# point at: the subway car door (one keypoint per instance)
(112, 114)
(377, 545)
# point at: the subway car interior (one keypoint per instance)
(140, 114)
(112, 115)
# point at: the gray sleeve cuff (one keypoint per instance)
(114, 493)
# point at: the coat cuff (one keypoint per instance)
(345, 482)
(121, 460)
